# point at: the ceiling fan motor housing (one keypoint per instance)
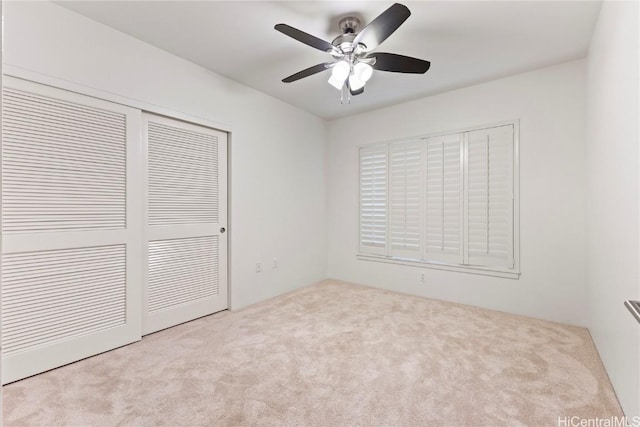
(344, 42)
(350, 24)
(349, 27)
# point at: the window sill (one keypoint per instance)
(509, 274)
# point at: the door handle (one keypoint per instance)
(222, 229)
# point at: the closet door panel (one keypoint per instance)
(71, 227)
(185, 260)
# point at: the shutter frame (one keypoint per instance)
(461, 256)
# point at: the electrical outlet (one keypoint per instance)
(422, 278)
(275, 263)
(258, 267)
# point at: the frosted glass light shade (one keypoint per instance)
(339, 74)
(355, 83)
(363, 71)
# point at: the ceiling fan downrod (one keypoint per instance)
(349, 25)
(344, 42)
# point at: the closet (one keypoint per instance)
(113, 223)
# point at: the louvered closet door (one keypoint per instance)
(490, 197)
(186, 251)
(71, 228)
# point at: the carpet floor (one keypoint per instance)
(332, 354)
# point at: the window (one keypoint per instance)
(445, 201)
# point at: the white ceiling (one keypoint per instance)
(467, 42)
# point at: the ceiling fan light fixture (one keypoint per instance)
(336, 82)
(355, 83)
(363, 71)
(339, 73)
(353, 51)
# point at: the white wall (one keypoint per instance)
(613, 138)
(277, 151)
(550, 104)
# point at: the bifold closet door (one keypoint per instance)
(185, 268)
(71, 223)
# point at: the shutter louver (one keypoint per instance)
(443, 180)
(405, 188)
(490, 197)
(373, 199)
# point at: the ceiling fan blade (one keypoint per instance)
(383, 26)
(307, 72)
(399, 63)
(305, 38)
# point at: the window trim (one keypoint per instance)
(471, 269)
(513, 273)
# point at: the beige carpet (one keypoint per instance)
(332, 354)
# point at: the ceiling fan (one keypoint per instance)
(354, 60)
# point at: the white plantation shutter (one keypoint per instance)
(489, 198)
(405, 186)
(444, 197)
(373, 199)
